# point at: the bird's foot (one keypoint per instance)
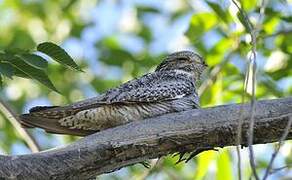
(146, 164)
(197, 151)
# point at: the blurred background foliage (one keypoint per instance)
(116, 40)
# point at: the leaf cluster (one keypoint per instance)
(26, 64)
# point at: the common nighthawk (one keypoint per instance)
(170, 88)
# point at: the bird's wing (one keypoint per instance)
(151, 87)
(105, 98)
(156, 86)
(169, 90)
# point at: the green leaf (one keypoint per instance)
(19, 73)
(243, 20)
(287, 19)
(270, 12)
(25, 68)
(58, 54)
(11, 50)
(34, 60)
(222, 14)
(116, 56)
(224, 168)
(204, 160)
(248, 5)
(146, 9)
(200, 24)
(270, 25)
(6, 69)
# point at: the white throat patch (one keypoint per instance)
(178, 71)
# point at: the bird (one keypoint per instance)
(171, 87)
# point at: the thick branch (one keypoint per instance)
(125, 145)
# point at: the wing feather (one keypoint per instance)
(152, 87)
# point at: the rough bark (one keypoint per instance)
(135, 142)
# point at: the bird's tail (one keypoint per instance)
(47, 118)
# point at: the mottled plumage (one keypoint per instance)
(170, 88)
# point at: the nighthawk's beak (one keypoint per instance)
(204, 63)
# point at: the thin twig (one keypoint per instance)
(252, 65)
(238, 161)
(280, 143)
(252, 109)
(239, 129)
(250, 26)
(275, 170)
(13, 118)
(252, 61)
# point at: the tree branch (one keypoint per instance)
(135, 142)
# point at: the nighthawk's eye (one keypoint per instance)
(182, 59)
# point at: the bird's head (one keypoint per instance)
(185, 61)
